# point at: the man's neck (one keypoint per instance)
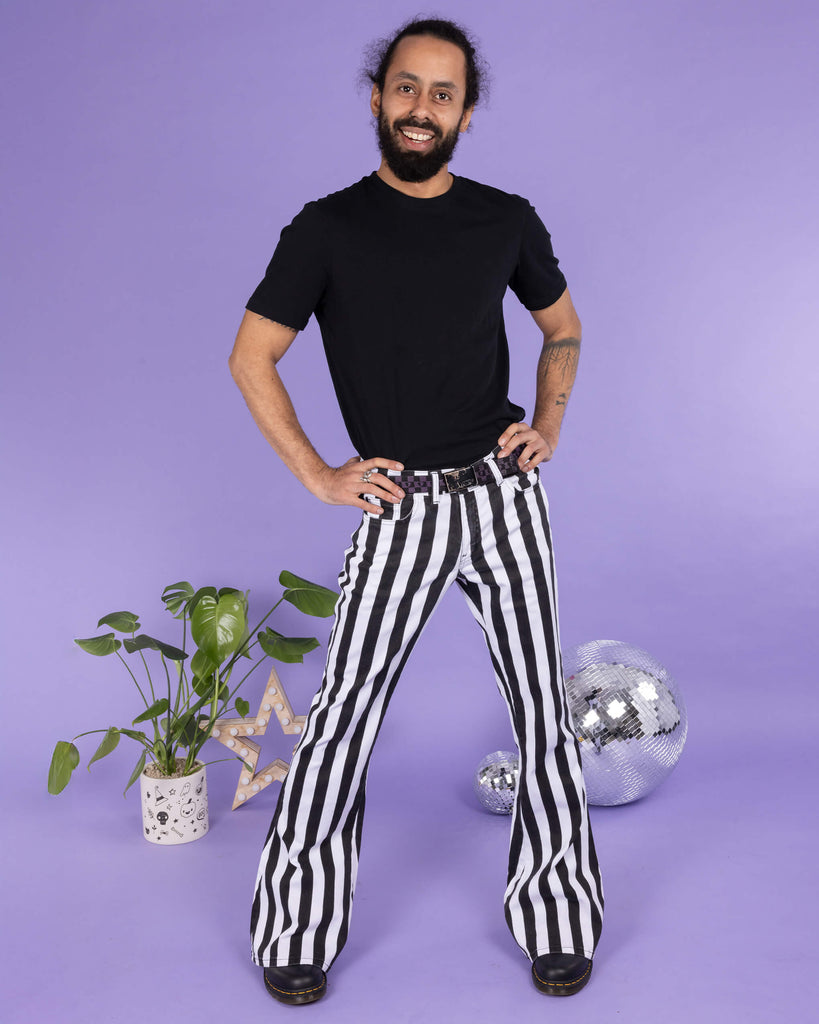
(435, 186)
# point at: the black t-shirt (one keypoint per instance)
(408, 295)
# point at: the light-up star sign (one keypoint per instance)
(234, 733)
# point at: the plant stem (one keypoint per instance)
(197, 744)
(246, 675)
(148, 674)
(238, 653)
(170, 747)
(131, 674)
(221, 759)
(153, 694)
(171, 713)
(90, 732)
(264, 620)
(182, 673)
(179, 693)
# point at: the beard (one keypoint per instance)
(410, 166)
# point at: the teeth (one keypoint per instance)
(415, 136)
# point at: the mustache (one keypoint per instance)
(411, 122)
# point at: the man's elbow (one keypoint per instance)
(240, 364)
(569, 331)
(575, 330)
(571, 326)
(234, 364)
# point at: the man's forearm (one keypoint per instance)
(273, 411)
(260, 344)
(556, 371)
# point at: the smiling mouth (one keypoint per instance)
(416, 136)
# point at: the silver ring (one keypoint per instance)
(366, 475)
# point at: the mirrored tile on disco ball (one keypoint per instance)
(495, 781)
(629, 716)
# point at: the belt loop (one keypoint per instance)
(494, 468)
(435, 479)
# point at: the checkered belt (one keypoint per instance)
(454, 481)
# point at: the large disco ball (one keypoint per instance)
(495, 781)
(629, 716)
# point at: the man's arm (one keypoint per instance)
(556, 371)
(259, 345)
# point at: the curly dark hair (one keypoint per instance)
(379, 54)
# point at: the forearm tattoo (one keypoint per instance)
(558, 360)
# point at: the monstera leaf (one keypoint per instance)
(64, 760)
(100, 645)
(176, 596)
(219, 624)
(286, 648)
(148, 643)
(310, 598)
(123, 622)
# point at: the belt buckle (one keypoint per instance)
(457, 480)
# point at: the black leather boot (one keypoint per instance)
(296, 983)
(561, 974)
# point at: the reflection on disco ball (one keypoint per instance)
(495, 780)
(629, 716)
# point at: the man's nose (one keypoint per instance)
(420, 110)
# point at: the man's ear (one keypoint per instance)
(375, 100)
(466, 117)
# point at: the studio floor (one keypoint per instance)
(708, 882)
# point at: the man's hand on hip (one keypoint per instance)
(343, 485)
(536, 448)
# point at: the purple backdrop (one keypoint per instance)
(152, 153)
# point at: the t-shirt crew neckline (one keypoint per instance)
(416, 202)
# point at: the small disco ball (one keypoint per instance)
(495, 780)
(629, 716)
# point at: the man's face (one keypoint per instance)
(421, 110)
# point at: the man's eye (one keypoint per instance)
(442, 96)
(407, 87)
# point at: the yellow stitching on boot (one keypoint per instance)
(290, 992)
(561, 984)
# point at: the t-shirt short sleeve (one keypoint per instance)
(296, 276)
(536, 280)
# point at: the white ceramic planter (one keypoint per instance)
(174, 810)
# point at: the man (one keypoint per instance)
(406, 272)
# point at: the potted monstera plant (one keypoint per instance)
(183, 690)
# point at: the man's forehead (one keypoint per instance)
(429, 58)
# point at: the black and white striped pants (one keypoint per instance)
(494, 541)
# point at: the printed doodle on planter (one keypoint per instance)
(174, 810)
